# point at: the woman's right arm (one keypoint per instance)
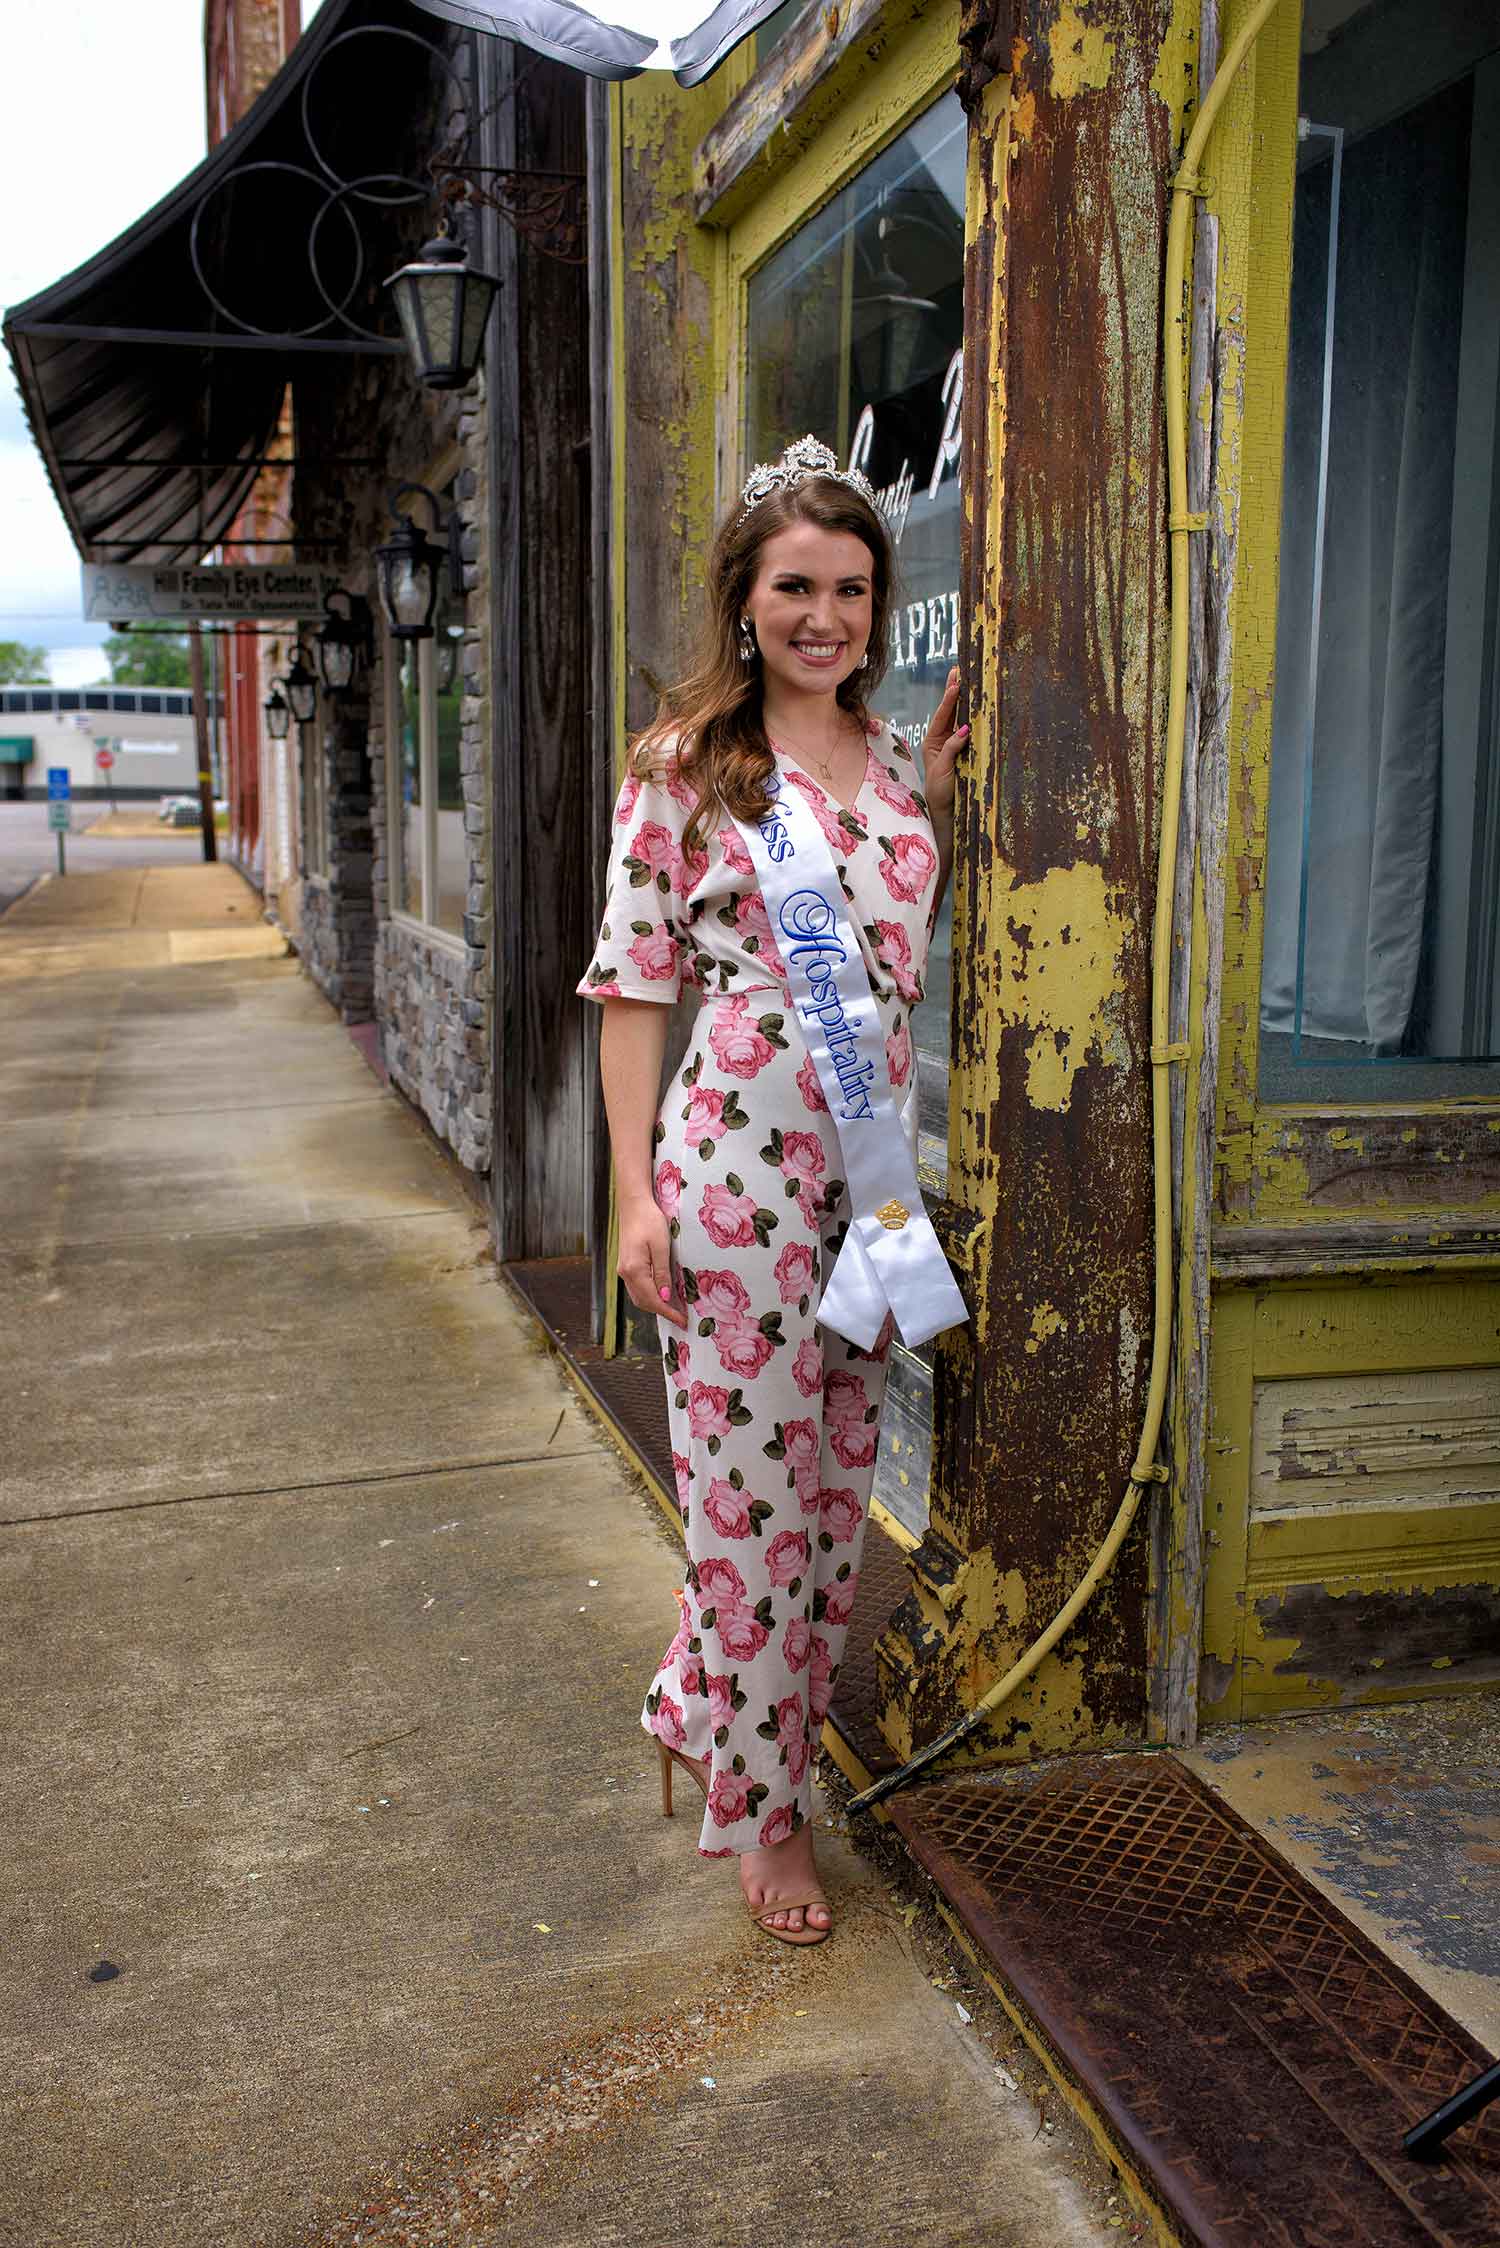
(632, 1040)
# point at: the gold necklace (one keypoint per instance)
(823, 767)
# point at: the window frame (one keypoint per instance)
(1365, 1182)
(314, 797)
(916, 70)
(439, 478)
(427, 732)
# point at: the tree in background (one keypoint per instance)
(149, 655)
(22, 666)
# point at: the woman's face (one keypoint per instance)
(809, 605)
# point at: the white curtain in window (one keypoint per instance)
(1369, 822)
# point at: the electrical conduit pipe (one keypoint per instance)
(1186, 184)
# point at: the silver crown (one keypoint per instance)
(807, 457)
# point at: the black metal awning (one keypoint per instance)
(153, 375)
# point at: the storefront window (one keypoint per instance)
(855, 335)
(429, 844)
(407, 808)
(314, 796)
(1382, 957)
(452, 868)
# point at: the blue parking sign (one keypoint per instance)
(59, 783)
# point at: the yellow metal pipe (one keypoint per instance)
(1187, 183)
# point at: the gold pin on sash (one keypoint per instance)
(893, 1215)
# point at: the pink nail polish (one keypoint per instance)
(666, 1295)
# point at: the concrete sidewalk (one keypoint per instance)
(338, 1902)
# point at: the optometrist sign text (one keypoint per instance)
(126, 591)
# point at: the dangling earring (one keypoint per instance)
(748, 649)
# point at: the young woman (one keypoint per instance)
(732, 1208)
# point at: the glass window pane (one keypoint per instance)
(1381, 977)
(855, 335)
(406, 822)
(446, 646)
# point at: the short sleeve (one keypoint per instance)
(642, 945)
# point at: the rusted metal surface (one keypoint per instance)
(985, 40)
(1255, 2056)
(1064, 593)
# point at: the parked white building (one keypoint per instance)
(148, 729)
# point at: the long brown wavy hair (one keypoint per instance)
(715, 710)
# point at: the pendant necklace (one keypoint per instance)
(823, 767)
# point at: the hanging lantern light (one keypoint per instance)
(278, 712)
(443, 303)
(302, 686)
(406, 568)
(342, 640)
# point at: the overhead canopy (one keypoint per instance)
(153, 376)
(620, 38)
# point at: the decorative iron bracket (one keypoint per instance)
(547, 209)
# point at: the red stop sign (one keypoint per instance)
(104, 758)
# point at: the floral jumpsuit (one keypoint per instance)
(774, 1420)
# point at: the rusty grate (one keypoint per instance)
(1256, 2056)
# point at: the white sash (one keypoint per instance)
(890, 1257)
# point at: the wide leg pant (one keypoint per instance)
(774, 1420)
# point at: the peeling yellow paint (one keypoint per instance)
(1081, 53)
(1045, 1321)
(1061, 973)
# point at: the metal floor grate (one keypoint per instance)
(1254, 2053)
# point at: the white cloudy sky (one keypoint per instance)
(75, 170)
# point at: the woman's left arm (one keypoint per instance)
(940, 748)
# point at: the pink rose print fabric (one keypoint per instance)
(775, 1420)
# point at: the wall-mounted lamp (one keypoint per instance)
(278, 712)
(443, 303)
(406, 567)
(344, 640)
(301, 685)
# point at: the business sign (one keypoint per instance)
(124, 592)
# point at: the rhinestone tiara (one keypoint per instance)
(807, 457)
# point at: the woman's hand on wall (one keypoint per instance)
(940, 748)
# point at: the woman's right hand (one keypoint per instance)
(645, 1261)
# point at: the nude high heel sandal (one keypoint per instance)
(803, 1935)
(667, 1757)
